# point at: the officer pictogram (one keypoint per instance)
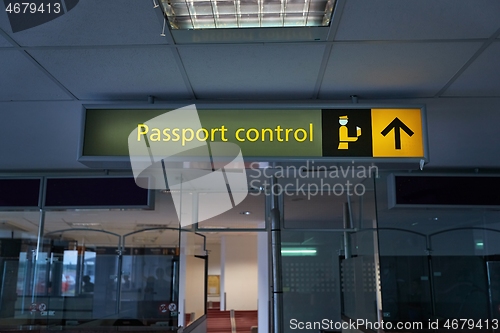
(373, 132)
(344, 137)
(346, 132)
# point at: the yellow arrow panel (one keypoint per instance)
(397, 133)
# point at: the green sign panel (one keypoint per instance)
(308, 133)
(279, 133)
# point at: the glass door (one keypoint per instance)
(149, 280)
(76, 283)
(327, 267)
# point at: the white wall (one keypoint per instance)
(239, 271)
(214, 257)
(195, 286)
(191, 278)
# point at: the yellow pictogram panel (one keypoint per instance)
(397, 133)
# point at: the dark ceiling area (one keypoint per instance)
(387, 49)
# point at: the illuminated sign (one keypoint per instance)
(373, 132)
(267, 133)
(345, 132)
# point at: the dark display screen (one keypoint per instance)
(436, 190)
(95, 192)
(19, 192)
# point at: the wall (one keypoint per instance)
(214, 256)
(44, 135)
(239, 271)
(195, 286)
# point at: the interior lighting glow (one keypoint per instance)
(217, 14)
(298, 252)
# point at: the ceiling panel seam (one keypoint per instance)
(183, 72)
(36, 63)
(332, 32)
(476, 55)
(9, 39)
(49, 75)
(411, 41)
(335, 22)
(175, 46)
(96, 47)
(167, 33)
(322, 70)
(315, 42)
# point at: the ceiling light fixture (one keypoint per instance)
(245, 212)
(85, 224)
(298, 252)
(217, 14)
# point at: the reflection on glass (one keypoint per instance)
(437, 263)
(360, 271)
(311, 286)
(68, 285)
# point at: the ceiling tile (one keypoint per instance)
(422, 19)
(253, 71)
(4, 42)
(115, 73)
(21, 80)
(480, 79)
(392, 70)
(40, 135)
(96, 22)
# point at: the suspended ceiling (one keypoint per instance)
(110, 51)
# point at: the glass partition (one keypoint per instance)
(404, 275)
(437, 263)
(18, 270)
(76, 276)
(149, 276)
(460, 275)
(101, 268)
(360, 268)
(310, 273)
(310, 255)
(329, 248)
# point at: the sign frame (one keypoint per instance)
(123, 162)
